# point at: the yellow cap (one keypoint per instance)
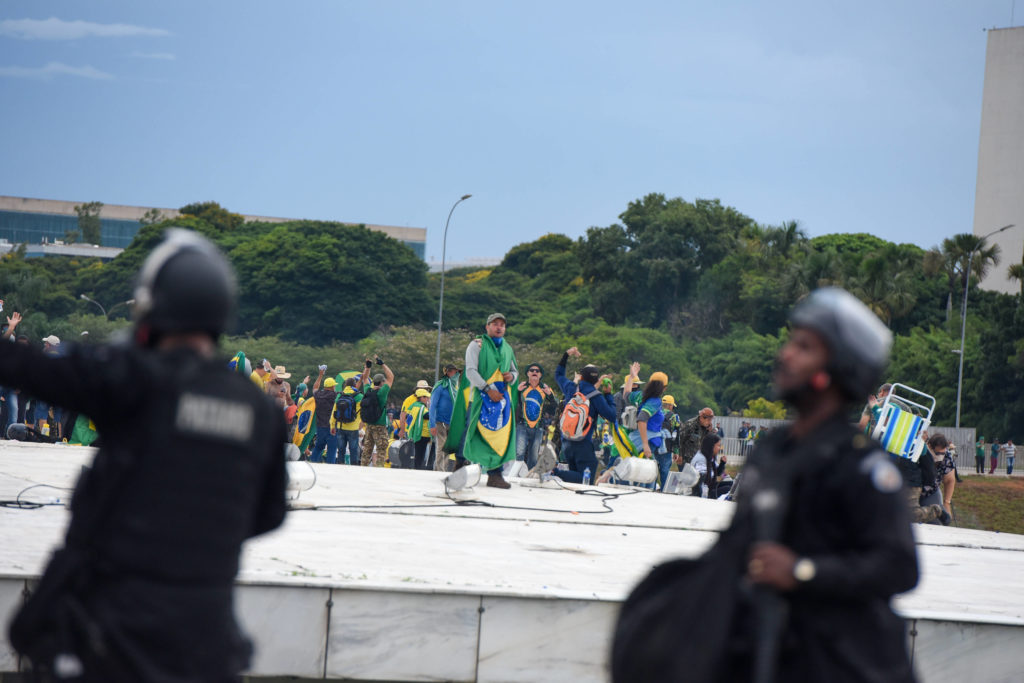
(659, 377)
(422, 393)
(329, 383)
(667, 398)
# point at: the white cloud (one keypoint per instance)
(58, 29)
(48, 72)
(154, 55)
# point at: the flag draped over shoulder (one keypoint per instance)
(237, 364)
(304, 431)
(620, 439)
(491, 439)
(460, 404)
(414, 421)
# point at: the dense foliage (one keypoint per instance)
(695, 289)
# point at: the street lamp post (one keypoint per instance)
(963, 318)
(440, 304)
(128, 302)
(106, 314)
(93, 301)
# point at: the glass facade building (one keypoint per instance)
(37, 221)
(34, 228)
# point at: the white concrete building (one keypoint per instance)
(999, 198)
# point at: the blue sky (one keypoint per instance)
(847, 117)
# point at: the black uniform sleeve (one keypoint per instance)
(881, 559)
(101, 382)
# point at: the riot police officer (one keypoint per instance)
(190, 466)
(820, 541)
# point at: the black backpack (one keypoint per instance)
(345, 408)
(370, 407)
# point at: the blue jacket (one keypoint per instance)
(441, 405)
(602, 404)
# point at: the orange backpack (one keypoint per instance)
(575, 421)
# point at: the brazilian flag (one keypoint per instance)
(84, 431)
(491, 436)
(344, 375)
(620, 439)
(304, 422)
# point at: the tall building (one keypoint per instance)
(999, 197)
(46, 221)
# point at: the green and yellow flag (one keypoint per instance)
(491, 439)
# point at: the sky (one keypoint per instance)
(845, 117)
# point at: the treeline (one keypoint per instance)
(695, 289)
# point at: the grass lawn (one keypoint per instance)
(986, 502)
(990, 502)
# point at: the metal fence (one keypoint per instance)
(964, 438)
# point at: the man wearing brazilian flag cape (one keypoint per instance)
(483, 427)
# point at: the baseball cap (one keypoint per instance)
(53, 340)
(378, 378)
(669, 399)
(494, 316)
(659, 377)
(421, 393)
(329, 383)
(451, 367)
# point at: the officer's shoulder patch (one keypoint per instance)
(884, 475)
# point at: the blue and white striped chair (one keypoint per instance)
(905, 413)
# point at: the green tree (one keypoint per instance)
(885, 281)
(89, 224)
(752, 284)
(1016, 272)
(737, 366)
(213, 213)
(924, 360)
(763, 408)
(319, 282)
(150, 217)
(952, 260)
(645, 270)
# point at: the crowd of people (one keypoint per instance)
(1008, 450)
(357, 421)
(141, 589)
(354, 419)
(27, 413)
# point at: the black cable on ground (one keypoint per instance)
(18, 504)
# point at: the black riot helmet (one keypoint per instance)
(858, 342)
(185, 285)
